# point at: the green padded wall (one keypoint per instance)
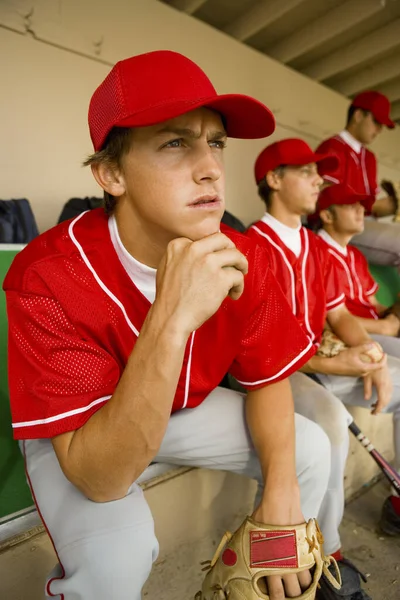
(388, 279)
(14, 491)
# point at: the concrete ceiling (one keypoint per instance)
(348, 45)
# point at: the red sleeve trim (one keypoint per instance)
(372, 290)
(43, 427)
(290, 368)
(336, 302)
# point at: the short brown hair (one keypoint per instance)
(264, 191)
(352, 110)
(117, 144)
(316, 223)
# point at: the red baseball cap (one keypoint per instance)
(291, 152)
(377, 104)
(157, 86)
(342, 194)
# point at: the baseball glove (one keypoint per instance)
(393, 310)
(392, 190)
(255, 551)
(330, 345)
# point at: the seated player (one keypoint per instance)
(94, 403)
(368, 114)
(288, 182)
(341, 213)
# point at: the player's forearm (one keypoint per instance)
(117, 443)
(347, 327)
(270, 418)
(322, 364)
(373, 325)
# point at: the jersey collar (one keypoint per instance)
(351, 141)
(329, 240)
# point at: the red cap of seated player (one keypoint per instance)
(341, 194)
(290, 152)
(377, 104)
(157, 86)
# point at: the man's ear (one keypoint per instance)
(326, 217)
(358, 115)
(274, 180)
(109, 177)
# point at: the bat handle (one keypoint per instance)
(361, 437)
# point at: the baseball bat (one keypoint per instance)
(390, 473)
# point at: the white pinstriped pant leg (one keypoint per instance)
(379, 242)
(219, 439)
(315, 402)
(107, 550)
(351, 390)
(391, 346)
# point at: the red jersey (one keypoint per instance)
(75, 314)
(358, 283)
(358, 170)
(310, 281)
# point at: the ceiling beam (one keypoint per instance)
(324, 28)
(382, 40)
(395, 112)
(370, 77)
(187, 6)
(391, 90)
(261, 15)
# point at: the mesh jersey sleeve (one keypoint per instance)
(335, 293)
(338, 175)
(273, 345)
(57, 380)
(368, 283)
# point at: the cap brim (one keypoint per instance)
(389, 124)
(385, 121)
(364, 199)
(329, 161)
(244, 117)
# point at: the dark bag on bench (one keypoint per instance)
(76, 206)
(17, 222)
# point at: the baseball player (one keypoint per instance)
(123, 323)
(368, 113)
(341, 214)
(288, 182)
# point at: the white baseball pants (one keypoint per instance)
(106, 550)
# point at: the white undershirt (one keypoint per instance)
(290, 236)
(351, 141)
(329, 240)
(143, 277)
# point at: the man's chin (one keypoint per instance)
(309, 210)
(357, 231)
(205, 228)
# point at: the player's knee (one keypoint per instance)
(112, 565)
(336, 424)
(330, 413)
